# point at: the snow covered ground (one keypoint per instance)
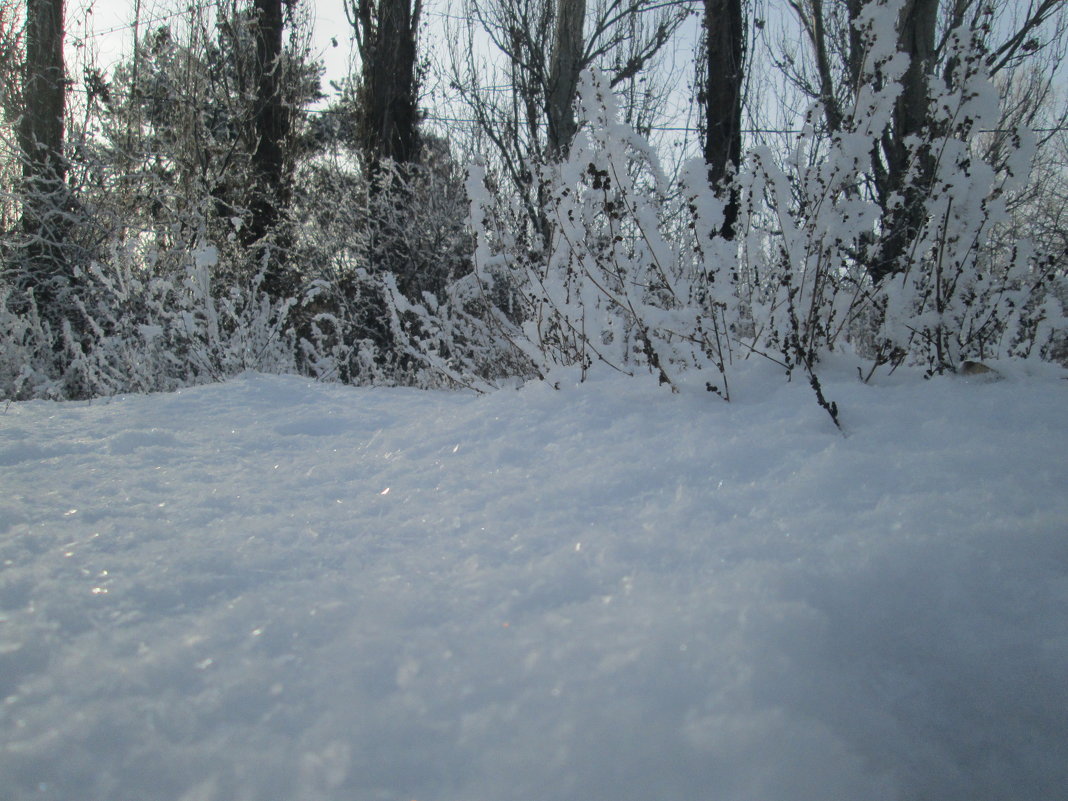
(274, 589)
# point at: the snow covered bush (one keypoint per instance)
(965, 293)
(817, 227)
(811, 220)
(139, 330)
(28, 367)
(390, 298)
(597, 261)
(622, 269)
(611, 280)
(367, 331)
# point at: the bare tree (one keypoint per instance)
(522, 96)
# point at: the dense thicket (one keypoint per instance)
(201, 218)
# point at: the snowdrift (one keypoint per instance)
(276, 589)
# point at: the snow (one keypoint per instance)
(277, 589)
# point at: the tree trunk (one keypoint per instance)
(44, 170)
(389, 117)
(725, 49)
(564, 69)
(909, 170)
(270, 178)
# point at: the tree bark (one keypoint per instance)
(389, 114)
(723, 83)
(271, 188)
(40, 135)
(909, 168)
(565, 66)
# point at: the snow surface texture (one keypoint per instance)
(274, 589)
